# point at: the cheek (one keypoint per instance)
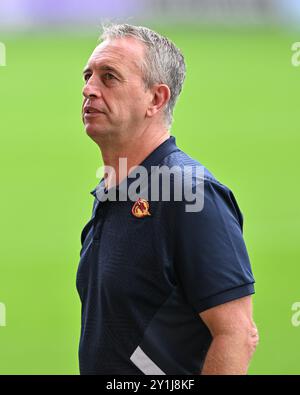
(138, 105)
(129, 105)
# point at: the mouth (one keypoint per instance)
(90, 112)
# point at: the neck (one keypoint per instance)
(135, 149)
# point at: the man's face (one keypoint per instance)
(115, 89)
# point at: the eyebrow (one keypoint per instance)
(105, 68)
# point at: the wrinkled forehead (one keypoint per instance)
(126, 53)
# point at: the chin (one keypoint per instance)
(95, 132)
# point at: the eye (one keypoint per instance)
(108, 76)
(86, 77)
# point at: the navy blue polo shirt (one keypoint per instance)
(143, 281)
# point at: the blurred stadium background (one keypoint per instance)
(238, 115)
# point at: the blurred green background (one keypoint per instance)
(238, 115)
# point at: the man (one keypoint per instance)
(163, 290)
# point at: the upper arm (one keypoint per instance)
(211, 261)
(231, 318)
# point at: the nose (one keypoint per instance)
(91, 89)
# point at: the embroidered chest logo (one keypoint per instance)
(140, 208)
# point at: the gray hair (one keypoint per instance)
(163, 63)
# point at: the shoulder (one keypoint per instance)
(199, 183)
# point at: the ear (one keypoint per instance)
(160, 96)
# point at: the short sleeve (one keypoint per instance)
(211, 261)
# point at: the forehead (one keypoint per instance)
(122, 53)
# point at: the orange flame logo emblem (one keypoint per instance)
(140, 208)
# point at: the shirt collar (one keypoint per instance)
(153, 159)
